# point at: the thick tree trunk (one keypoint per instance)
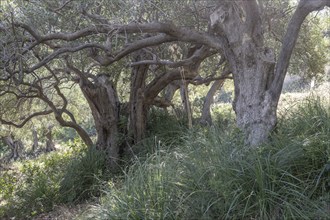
(254, 107)
(138, 105)
(104, 104)
(206, 118)
(258, 83)
(252, 65)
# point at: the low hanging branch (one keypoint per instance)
(26, 120)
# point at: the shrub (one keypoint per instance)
(165, 126)
(36, 188)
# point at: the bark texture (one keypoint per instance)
(139, 105)
(258, 83)
(104, 104)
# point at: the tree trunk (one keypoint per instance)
(206, 118)
(255, 110)
(138, 106)
(258, 84)
(50, 146)
(253, 104)
(35, 140)
(186, 103)
(15, 147)
(104, 104)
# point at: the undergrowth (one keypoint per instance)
(212, 175)
(36, 186)
(202, 173)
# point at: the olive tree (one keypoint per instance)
(105, 33)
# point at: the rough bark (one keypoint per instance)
(206, 118)
(104, 104)
(138, 104)
(257, 84)
(252, 65)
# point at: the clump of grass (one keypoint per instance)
(166, 127)
(212, 175)
(145, 192)
(82, 176)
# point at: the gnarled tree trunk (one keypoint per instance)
(104, 104)
(258, 83)
(138, 106)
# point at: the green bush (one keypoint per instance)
(35, 190)
(8, 180)
(36, 186)
(165, 126)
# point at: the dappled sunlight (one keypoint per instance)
(150, 109)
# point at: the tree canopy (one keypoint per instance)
(127, 56)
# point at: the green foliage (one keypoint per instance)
(214, 176)
(35, 188)
(3, 149)
(8, 179)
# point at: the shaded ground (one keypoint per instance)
(63, 212)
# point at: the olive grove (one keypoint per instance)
(47, 46)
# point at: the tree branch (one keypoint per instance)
(305, 7)
(46, 112)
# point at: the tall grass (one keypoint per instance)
(212, 175)
(81, 179)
